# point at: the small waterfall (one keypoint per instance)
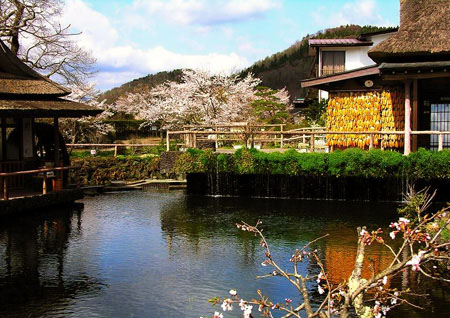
(217, 191)
(309, 187)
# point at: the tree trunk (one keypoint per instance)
(15, 45)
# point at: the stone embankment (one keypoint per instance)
(105, 170)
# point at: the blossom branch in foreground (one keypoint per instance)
(424, 245)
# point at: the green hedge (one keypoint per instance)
(351, 162)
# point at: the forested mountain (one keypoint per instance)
(139, 84)
(283, 69)
(287, 68)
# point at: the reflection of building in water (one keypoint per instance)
(32, 254)
(340, 254)
(340, 261)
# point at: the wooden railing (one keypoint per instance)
(12, 166)
(295, 135)
(5, 175)
(111, 146)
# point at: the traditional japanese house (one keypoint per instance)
(406, 91)
(341, 55)
(27, 142)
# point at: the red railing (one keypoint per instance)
(43, 173)
(12, 166)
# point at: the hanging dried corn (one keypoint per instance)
(365, 111)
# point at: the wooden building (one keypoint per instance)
(340, 55)
(407, 90)
(30, 106)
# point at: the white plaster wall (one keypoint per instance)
(355, 56)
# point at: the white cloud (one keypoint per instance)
(160, 59)
(205, 12)
(96, 28)
(362, 12)
(119, 62)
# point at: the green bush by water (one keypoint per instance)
(351, 162)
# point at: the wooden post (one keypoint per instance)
(56, 140)
(415, 112)
(167, 141)
(115, 151)
(312, 143)
(216, 144)
(58, 182)
(20, 129)
(407, 148)
(282, 141)
(371, 141)
(44, 183)
(441, 142)
(194, 141)
(5, 188)
(4, 139)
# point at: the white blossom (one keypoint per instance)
(217, 315)
(87, 128)
(200, 98)
(320, 289)
(247, 311)
(227, 305)
(415, 261)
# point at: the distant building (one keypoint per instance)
(407, 89)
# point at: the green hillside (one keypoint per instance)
(283, 69)
(140, 84)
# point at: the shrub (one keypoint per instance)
(351, 162)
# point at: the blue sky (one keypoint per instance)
(131, 39)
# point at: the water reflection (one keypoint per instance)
(288, 224)
(32, 262)
(152, 254)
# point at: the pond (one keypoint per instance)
(164, 254)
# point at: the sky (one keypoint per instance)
(134, 38)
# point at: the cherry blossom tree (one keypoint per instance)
(200, 98)
(423, 241)
(87, 128)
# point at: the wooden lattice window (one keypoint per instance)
(333, 62)
(440, 120)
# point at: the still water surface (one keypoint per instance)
(156, 254)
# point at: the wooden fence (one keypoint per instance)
(307, 136)
(111, 146)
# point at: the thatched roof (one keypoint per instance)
(55, 107)
(24, 92)
(424, 33)
(19, 79)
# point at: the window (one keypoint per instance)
(333, 62)
(440, 120)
